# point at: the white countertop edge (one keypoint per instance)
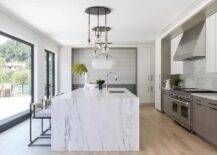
(211, 96)
(80, 92)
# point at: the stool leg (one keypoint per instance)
(42, 125)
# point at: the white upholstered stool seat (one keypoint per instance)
(44, 113)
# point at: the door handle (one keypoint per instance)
(186, 103)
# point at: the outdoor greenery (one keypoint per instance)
(21, 76)
(16, 52)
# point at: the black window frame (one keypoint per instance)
(47, 52)
(22, 116)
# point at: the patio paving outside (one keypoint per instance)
(10, 106)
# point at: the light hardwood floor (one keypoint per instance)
(158, 136)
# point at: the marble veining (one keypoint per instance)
(199, 78)
(95, 121)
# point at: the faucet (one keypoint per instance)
(107, 78)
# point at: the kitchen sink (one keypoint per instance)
(116, 91)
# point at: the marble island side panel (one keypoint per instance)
(84, 122)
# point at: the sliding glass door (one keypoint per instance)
(16, 76)
(50, 74)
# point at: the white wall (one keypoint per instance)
(12, 26)
(64, 69)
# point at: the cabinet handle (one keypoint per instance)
(198, 104)
(212, 104)
(212, 108)
(151, 77)
(197, 100)
(151, 89)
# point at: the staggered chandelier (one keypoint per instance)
(100, 41)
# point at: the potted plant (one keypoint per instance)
(177, 82)
(81, 69)
(100, 83)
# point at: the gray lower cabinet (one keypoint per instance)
(167, 106)
(199, 120)
(205, 119)
(211, 116)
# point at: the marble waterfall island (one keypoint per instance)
(95, 121)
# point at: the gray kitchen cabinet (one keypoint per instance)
(167, 107)
(205, 119)
(199, 120)
(211, 117)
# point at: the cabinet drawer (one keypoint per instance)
(211, 118)
(205, 118)
(211, 103)
(198, 119)
(199, 101)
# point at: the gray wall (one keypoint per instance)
(125, 67)
(199, 78)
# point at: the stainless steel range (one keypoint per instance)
(181, 100)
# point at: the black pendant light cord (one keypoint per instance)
(106, 37)
(89, 28)
(99, 30)
(98, 25)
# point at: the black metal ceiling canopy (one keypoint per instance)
(98, 11)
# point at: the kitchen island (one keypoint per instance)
(95, 121)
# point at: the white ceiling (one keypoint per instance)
(132, 21)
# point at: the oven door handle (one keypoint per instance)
(186, 103)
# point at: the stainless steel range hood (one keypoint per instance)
(192, 45)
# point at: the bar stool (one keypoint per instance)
(40, 111)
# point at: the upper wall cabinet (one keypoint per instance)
(211, 42)
(176, 66)
(179, 67)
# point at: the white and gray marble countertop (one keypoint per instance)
(98, 93)
(211, 96)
